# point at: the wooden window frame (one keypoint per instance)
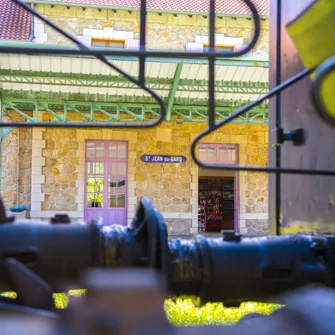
(108, 42)
(217, 147)
(219, 47)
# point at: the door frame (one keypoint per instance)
(107, 161)
(236, 176)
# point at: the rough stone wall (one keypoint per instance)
(165, 32)
(25, 165)
(255, 196)
(16, 153)
(9, 185)
(168, 185)
(60, 170)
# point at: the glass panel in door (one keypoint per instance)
(95, 197)
(117, 192)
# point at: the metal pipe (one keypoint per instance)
(2, 139)
(278, 118)
(32, 26)
(18, 166)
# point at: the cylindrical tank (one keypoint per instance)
(227, 269)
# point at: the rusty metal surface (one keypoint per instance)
(307, 202)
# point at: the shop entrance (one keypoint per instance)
(218, 196)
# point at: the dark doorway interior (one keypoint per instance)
(216, 203)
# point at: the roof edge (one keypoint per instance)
(153, 10)
(251, 61)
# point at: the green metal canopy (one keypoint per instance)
(67, 88)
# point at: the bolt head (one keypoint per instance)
(231, 236)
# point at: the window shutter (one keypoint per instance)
(241, 47)
(219, 39)
(232, 41)
(132, 44)
(194, 47)
(86, 40)
(202, 38)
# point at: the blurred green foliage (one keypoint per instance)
(186, 311)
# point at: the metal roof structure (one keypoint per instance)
(86, 87)
(31, 82)
(60, 74)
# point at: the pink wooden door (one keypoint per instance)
(106, 182)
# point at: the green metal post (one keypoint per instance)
(190, 110)
(105, 81)
(173, 91)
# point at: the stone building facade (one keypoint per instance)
(57, 167)
(45, 169)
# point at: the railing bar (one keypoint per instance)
(143, 16)
(211, 67)
(278, 118)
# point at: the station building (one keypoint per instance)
(104, 172)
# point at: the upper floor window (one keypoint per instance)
(218, 153)
(109, 38)
(220, 48)
(223, 44)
